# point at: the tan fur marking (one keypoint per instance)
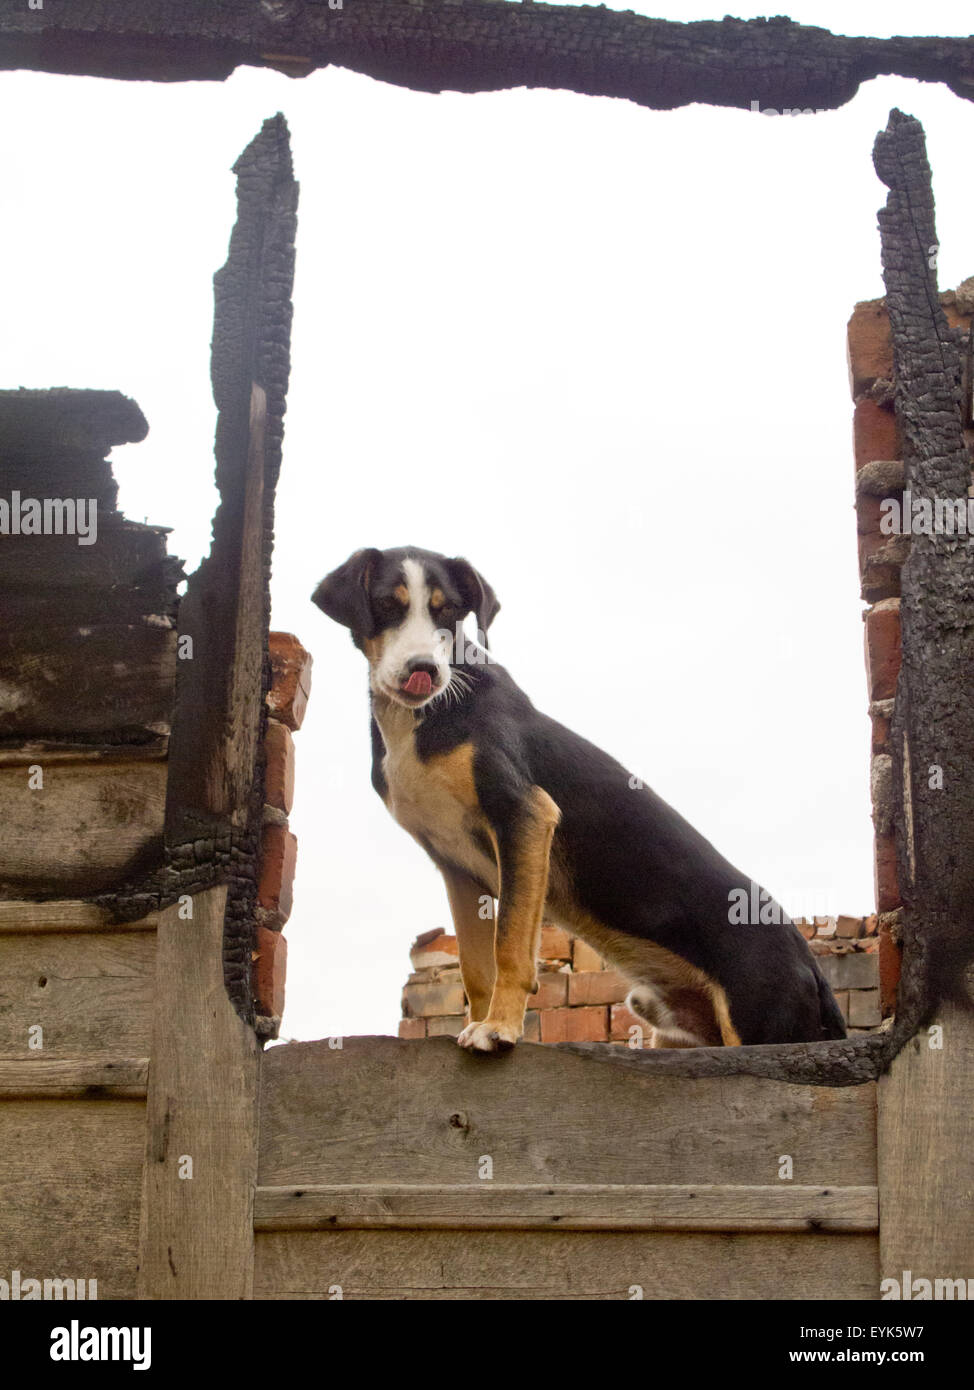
(402, 594)
(475, 940)
(437, 598)
(645, 962)
(518, 935)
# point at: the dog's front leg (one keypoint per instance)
(475, 939)
(522, 844)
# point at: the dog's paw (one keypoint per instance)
(489, 1036)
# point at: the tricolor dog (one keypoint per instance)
(512, 806)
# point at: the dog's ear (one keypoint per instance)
(344, 594)
(477, 594)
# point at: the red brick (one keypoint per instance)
(555, 944)
(434, 947)
(279, 771)
(880, 739)
(585, 958)
(575, 1025)
(848, 927)
(864, 1009)
(887, 887)
(870, 925)
(278, 859)
(270, 971)
(412, 1027)
(435, 998)
(621, 1020)
(805, 926)
(597, 987)
(446, 1026)
(552, 991)
(869, 345)
(889, 971)
(287, 698)
(883, 651)
(874, 433)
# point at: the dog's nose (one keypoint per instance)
(424, 665)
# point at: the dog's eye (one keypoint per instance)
(388, 608)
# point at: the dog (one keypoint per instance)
(514, 807)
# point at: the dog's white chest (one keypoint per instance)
(434, 800)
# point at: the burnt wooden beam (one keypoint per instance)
(933, 721)
(89, 599)
(479, 46)
(214, 801)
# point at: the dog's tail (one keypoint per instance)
(833, 1024)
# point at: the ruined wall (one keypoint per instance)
(879, 479)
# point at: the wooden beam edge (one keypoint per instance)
(19, 916)
(44, 1079)
(571, 1207)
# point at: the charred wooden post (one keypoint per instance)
(933, 722)
(925, 1101)
(214, 797)
(480, 46)
(197, 1236)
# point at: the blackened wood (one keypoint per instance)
(108, 681)
(478, 46)
(933, 721)
(38, 422)
(215, 790)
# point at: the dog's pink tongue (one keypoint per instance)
(419, 683)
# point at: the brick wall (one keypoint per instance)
(580, 999)
(879, 475)
(287, 700)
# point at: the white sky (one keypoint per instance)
(599, 350)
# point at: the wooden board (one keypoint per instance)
(88, 827)
(385, 1110)
(489, 1206)
(926, 1161)
(63, 915)
(90, 678)
(197, 1232)
(43, 1079)
(561, 1265)
(90, 992)
(70, 1180)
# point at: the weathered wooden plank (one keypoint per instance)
(64, 915)
(90, 994)
(69, 1190)
(564, 1265)
(42, 1079)
(87, 828)
(926, 1161)
(197, 1230)
(89, 678)
(490, 1206)
(46, 751)
(384, 1110)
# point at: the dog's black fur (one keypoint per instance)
(628, 861)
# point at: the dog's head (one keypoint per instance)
(405, 609)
